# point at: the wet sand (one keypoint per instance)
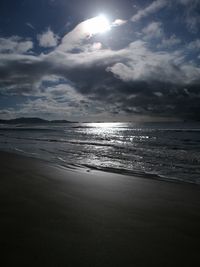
(52, 216)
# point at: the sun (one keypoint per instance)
(99, 24)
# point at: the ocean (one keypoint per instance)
(167, 151)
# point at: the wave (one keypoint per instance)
(25, 152)
(131, 173)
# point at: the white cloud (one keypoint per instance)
(134, 63)
(47, 39)
(73, 39)
(169, 42)
(78, 38)
(30, 25)
(145, 65)
(70, 82)
(194, 45)
(191, 14)
(15, 44)
(7, 113)
(192, 22)
(44, 107)
(152, 8)
(153, 30)
(21, 74)
(119, 22)
(61, 101)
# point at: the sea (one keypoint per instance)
(165, 151)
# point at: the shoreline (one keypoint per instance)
(123, 172)
(53, 216)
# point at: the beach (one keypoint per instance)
(57, 216)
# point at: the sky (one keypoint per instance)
(98, 60)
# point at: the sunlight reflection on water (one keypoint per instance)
(170, 151)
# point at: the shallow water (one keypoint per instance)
(169, 151)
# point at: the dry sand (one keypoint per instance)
(51, 216)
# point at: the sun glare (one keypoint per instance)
(99, 24)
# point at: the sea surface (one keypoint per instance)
(168, 151)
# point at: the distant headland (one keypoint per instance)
(34, 120)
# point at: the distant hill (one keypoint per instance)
(32, 121)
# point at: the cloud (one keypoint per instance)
(194, 45)
(153, 30)
(74, 39)
(15, 44)
(169, 42)
(148, 66)
(30, 25)
(7, 113)
(191, 14)
(152, 8)
(188, 2)
(119, 22)
(82, 76)
(45, 107)
(19, 73)
(55, 101)
(48, 39)
(77, 40)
